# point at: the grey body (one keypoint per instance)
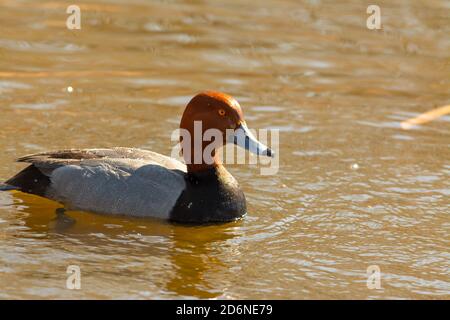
(121, 181)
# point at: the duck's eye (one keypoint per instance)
(221, 112)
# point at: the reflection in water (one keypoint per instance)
(194, 256)
(353, 189)
(191, 251)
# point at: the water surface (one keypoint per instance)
(353, 188)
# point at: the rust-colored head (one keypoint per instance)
(217, 111)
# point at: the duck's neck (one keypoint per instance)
(194, 168)
(200, 161)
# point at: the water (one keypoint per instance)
(353, 188)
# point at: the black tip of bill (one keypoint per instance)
(268, 152)
(5, 187)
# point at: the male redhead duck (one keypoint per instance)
(140, 183)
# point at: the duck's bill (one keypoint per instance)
(244, 138)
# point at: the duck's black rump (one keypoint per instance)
(29, 180)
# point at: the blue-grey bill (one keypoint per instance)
(244, 138)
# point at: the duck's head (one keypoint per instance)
(206, 115)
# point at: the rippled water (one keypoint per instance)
(353, 189)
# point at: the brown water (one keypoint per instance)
(353, 188)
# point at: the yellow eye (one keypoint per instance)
(221, 112)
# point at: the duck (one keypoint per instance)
(140, 183)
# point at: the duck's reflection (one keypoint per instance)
(192, 254)
(196, 258)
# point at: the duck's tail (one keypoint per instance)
(29, 180)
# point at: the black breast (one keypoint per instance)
(212, 195)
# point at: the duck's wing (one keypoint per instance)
(119, 180)
(55, 159)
